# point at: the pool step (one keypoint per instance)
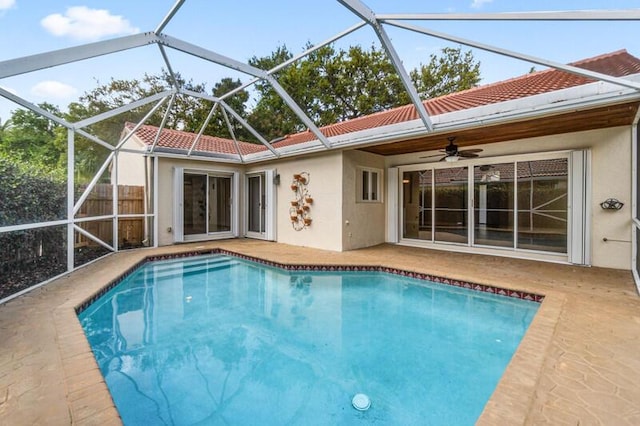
(188, 264)
(164, 272)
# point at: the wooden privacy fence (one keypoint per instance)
(131, 230)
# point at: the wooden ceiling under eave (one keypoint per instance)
(597, 118)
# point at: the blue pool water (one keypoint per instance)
(219, 340)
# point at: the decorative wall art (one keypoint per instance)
(300, 209)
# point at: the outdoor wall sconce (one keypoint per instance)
(301, 204)
(611, 204)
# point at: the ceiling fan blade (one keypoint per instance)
(431, 156)
(467, 154)
(470, 150)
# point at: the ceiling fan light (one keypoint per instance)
(451, 158)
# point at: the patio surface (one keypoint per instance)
(579, 362)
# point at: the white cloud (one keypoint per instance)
(53, 89)
(82, 23)
(7, 4)
(477, 4)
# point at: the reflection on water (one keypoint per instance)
(216, 340)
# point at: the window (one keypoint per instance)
(369, 184)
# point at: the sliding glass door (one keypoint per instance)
(517, 205)
(543, 189)
(451, 196)
(493, 204)
(207, 204)
(255, 203)
(260, 204)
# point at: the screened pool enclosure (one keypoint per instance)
(52, 224)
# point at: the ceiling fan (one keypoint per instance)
(452, 153)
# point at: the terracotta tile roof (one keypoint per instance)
(179, 140)
(619, 63)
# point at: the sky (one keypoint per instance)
(242, 29)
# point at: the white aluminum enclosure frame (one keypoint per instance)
(366, 17)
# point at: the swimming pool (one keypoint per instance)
(216, 339)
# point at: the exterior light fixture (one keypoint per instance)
(451, 158)
(611, 204)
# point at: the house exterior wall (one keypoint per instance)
(325, 186)
(610, 178)
(363, 223)
(334, 186)
(131, 169)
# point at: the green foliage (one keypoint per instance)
(451, 72)
(30, 137)
(335, 85)
(218, 125)
(30, 194)
(329, 85)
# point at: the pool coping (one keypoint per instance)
(509, 403)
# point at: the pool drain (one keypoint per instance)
(361, 402)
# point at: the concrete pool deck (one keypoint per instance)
(579, 362)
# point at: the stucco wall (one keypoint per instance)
(610, 177)
(363, 223)
(325, 186)
(333, 185)
(131, 165)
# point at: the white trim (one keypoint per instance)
(579, 238)
(379, 179)
(268, 191)
(393, 206)
(178, 205)
(635, 221)
(235, 204)
(209, 237)
(270, 211)
(156, 225)
(494, 251)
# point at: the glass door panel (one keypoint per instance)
(493, 207)
(256, 203)
(195, 204)
(451, 205)
(417, 209)
(542, 205)
(219, 204)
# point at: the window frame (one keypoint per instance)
(370, 190)
(471, 245)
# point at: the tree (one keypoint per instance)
(360, 82)
(333, 85)
(329, 85)
(271, 116)
(218, 125)
(451, 72)
(29, 137)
